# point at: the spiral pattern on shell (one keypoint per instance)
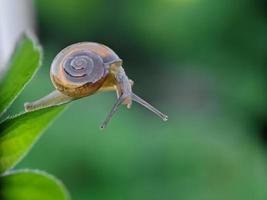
(83, 67)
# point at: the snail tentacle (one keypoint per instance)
(113, 110)
(149, 107)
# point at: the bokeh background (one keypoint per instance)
(203, 62)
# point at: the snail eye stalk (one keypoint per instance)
(137, 99)
(113, 110)
(149, 107)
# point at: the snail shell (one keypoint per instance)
(82, 68)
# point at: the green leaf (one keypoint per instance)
(18, 134)
(23, 64)
(31, 185)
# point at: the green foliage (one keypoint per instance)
(24, 63)
(31, 185)
(19, 133)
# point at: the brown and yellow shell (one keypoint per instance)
(83, 68)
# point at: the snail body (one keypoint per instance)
(85, 68)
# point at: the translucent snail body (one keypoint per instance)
(85, 68)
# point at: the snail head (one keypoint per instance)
(126, 96)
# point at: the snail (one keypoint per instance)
(85, 68)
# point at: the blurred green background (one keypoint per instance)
(203, 62)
